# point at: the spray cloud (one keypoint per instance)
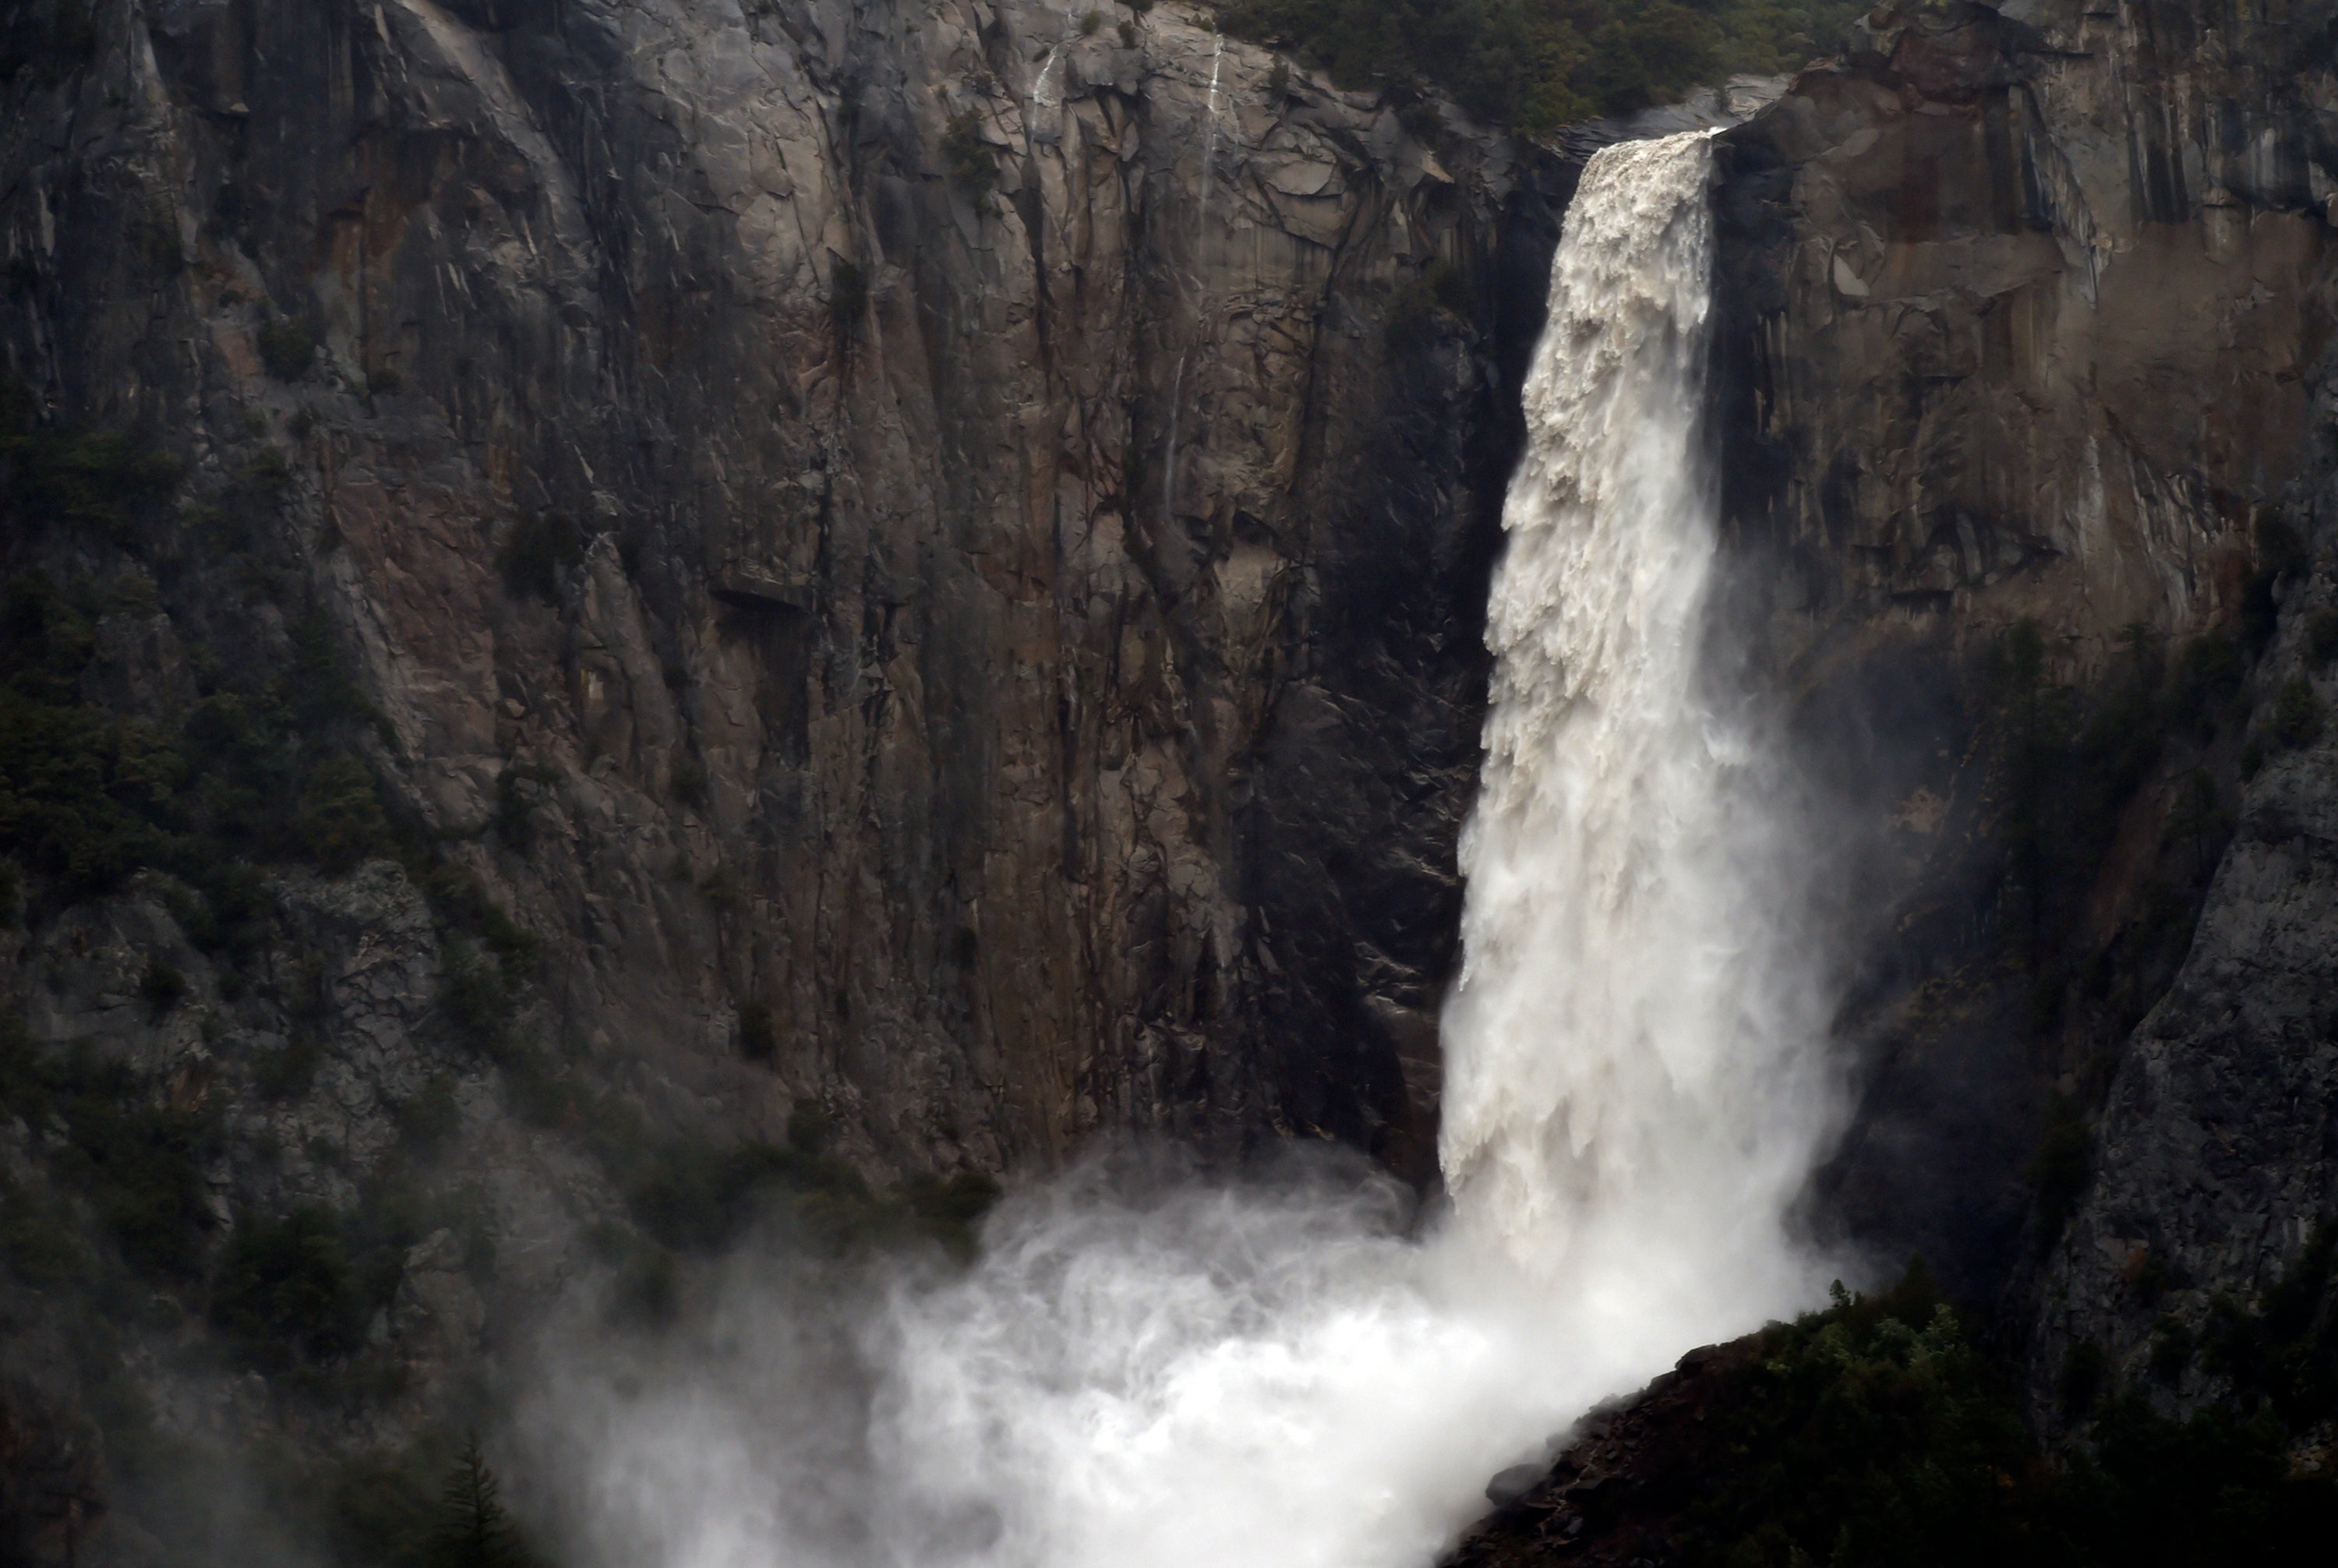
(1169, 1372)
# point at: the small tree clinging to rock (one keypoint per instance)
(475, 1530)
(967, 156)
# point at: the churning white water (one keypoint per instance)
(1279, 1374)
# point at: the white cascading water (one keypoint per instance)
(1632, 1086)
(1277, 1375)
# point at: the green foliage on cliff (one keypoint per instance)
(475, 1530)
(2070, 764)
(1541, 64)
(688, 1199)
(1415, 304)
(1874, 1433)
(434, 1503)
(136, 1162)
(1878, 1434)
(2058, 1171)
(120, 1222)
(2241, 1478)
(2158, 1493)
(88, 796)
(2296, 718)
(46, 40)
(2283, 1352)
(538, 551)
(967, 156)
(2069, 761)
(284, 1291)
(97, 480)
(287, 347)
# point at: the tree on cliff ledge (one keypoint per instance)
(474, 1529)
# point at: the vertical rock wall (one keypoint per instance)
(1016, 493)
(2025, 303)
(2215, 1163)
(2026, 313)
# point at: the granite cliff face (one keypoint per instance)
(2042, 289)
(1012, 509)
(2025, 316)
(915, 568)
(2214, 1168)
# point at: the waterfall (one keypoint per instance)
(1039, 99)
(1209, 174)
(1285, 1374)
(1632, 1083)
(1210, 125)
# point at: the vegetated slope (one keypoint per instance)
(2065, 599)
(1880, 1432)
(1542, 64)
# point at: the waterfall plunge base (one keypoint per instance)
(1165, 1373)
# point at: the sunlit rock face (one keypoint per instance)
(2024, 313)
(1032, 485)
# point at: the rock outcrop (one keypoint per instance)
(1615, 1492)
(2023, 313)
(2023, 306)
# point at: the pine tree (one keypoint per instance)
(473, 1529)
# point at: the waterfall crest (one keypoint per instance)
(1290, 1375)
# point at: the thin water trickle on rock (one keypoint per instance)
(1142, 1376)
(1039, 99)
(1177, 378)
(1210, 124)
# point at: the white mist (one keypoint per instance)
(1277, 1375)
(1633, 1091)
